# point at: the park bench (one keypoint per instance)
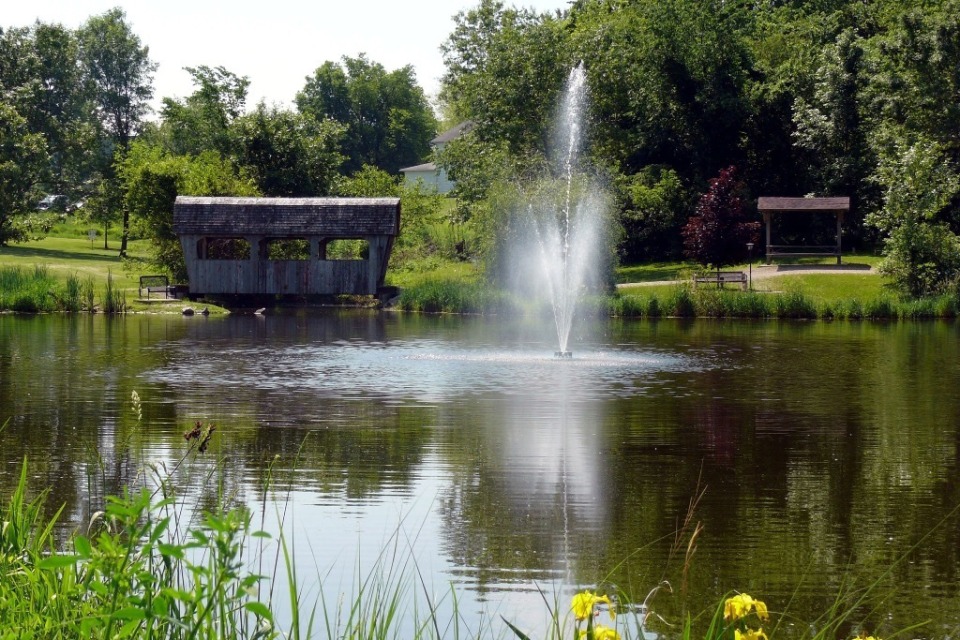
(721, 278)
(154, 284)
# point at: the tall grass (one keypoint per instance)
(37, 291)
(682, 301)
(455, 296)
(27, 290)
(114, 300)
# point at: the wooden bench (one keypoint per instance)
(721, 278)
(154, 284)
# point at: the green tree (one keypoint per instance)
(388, 122)
(921, 253)
(653, 203)
(203, 120)
(831, 127)
(23, 160)
(120, 73)
(505, 70)
(41, 78)
(288, 153)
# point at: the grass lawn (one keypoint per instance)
(66, 256)
(432, 270)
(819, 288)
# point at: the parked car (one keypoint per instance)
(53, 203)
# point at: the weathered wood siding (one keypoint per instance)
(323, 277)
(257, 220)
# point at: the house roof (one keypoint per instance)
(426, 167)
(803, 204)
(286, 217)
(452, 134)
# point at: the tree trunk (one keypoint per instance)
(126, 233)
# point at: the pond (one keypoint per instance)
(827, 454)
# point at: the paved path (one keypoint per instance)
(767, 271)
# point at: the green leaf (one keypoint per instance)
(130, 613)
(520, 634)
(173, 550)
(127, 630)
(160, 606)
(83, 546)
(259, 609)
(58, 561)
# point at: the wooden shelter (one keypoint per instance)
(770, 206)
(271, 246)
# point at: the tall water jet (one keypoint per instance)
(567, 215)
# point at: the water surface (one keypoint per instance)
(828, 453)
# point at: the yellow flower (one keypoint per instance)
(584, 602)
(741, 605)
(749, 634)
(601, 632)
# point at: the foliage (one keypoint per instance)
(152, 179)
(653, 201)
(386, 119)
(922, 253)
(829, 126)
(201, 121)
(22, 159)
(505, 69)
(120, 72)
(719, 231)
(286, 153)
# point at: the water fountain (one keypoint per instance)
(567, 216)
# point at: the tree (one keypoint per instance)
(41, 78)
(287, 153)
(831, 128)
(388, 122)
(921, 252)
(22, 163)
(120, 72)
(505, 70)
(718, 233)
(653, 203)
(202, 121)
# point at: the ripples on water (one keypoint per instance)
(827, 450)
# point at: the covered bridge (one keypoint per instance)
(277, 246)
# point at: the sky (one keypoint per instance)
(275, 43)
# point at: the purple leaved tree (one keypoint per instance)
(718, 233)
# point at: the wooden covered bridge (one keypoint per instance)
(279, 246)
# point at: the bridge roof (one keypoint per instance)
(286, 217)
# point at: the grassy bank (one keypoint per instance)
(820, 296)
(45, 275)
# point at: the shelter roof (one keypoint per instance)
(804, 204)
(286, 217)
